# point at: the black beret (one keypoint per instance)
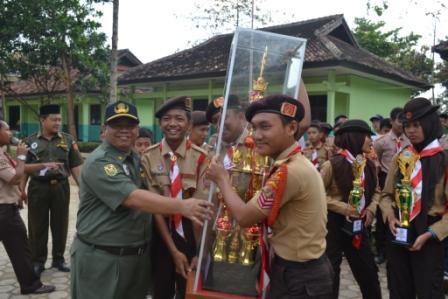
(376, 117)
(418, 108)
(326, 127)
(120, 109)
(354, 125)
(182, 103)
(278, 103)
(443, 115)
(198, 118)
(144, 133)
(49, 109)
(216, 105)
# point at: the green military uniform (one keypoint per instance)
(110, 256)
(49, 191)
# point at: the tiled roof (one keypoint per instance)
(329, 43)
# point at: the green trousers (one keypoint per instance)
(97, 274)
(48, 205)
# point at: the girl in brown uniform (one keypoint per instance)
(352, 139)
(418, 270)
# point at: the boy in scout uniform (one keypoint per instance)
(49, 189)
(199, 130)
(174, 167)
(416, 270)
(110, 256)
(316, 151)
(287, 204)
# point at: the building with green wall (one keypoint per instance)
(340, 77)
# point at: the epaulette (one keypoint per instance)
(199, 149)
(157, 145)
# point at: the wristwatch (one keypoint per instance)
(21, 158)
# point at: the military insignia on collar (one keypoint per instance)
(121, 108)
(110, 170)
(126, 169)
(218, 102)
(189, 103)
(288, 109)
(408, 115)
(34, 145)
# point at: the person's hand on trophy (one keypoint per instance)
(393, 222)
(368, 217)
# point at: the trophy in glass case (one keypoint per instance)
(404, 198)
(229, 263)
(354, 226)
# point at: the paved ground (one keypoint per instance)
(9, 287)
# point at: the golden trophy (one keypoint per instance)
(354, 225)
(234, 247)
(251, 240)
(403, 197)
(224, 229)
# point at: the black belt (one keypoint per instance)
(294, 264)
(120, 251)
(50, 181)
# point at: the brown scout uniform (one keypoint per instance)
(156, 166)
(323, 154)
(298, 238)
(360, 259)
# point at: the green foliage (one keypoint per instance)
(390, 45)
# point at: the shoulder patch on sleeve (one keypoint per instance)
(110, 169)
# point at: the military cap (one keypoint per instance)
(326, 128)
(49, 109)
(418, 108)
(278, 103)
(198, 118)
(120, 109)
(182, 103)
(376, 117)
(443, 115)
(216, 105)
(354, 125)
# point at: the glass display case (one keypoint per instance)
(231, 263)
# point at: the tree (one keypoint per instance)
(400, 50)
(225, 15)
(54, 42)
(113, 59)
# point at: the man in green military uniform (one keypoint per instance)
(49, 188)
(110, 256)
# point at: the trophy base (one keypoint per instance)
(403, 237)
(355, 227)
(201, 293)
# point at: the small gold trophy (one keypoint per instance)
(403, 197)
(224, 228)
(251, 240)
(355, 226)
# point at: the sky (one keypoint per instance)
(152, 29)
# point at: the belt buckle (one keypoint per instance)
(53, 182)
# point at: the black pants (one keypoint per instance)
(167, 282)
(308, 280)
(48, 205)
(418, 273)
(360, 260)
(13, 236)
(380, 227)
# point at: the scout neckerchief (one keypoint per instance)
(276, 181)
(176, 186)
(417, 175)
(357, 239)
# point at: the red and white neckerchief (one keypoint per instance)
(228, 158)
(314, 158)
(349, 157)
(417, 175)
(176, 187)
(263, 281)
(397, 145)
